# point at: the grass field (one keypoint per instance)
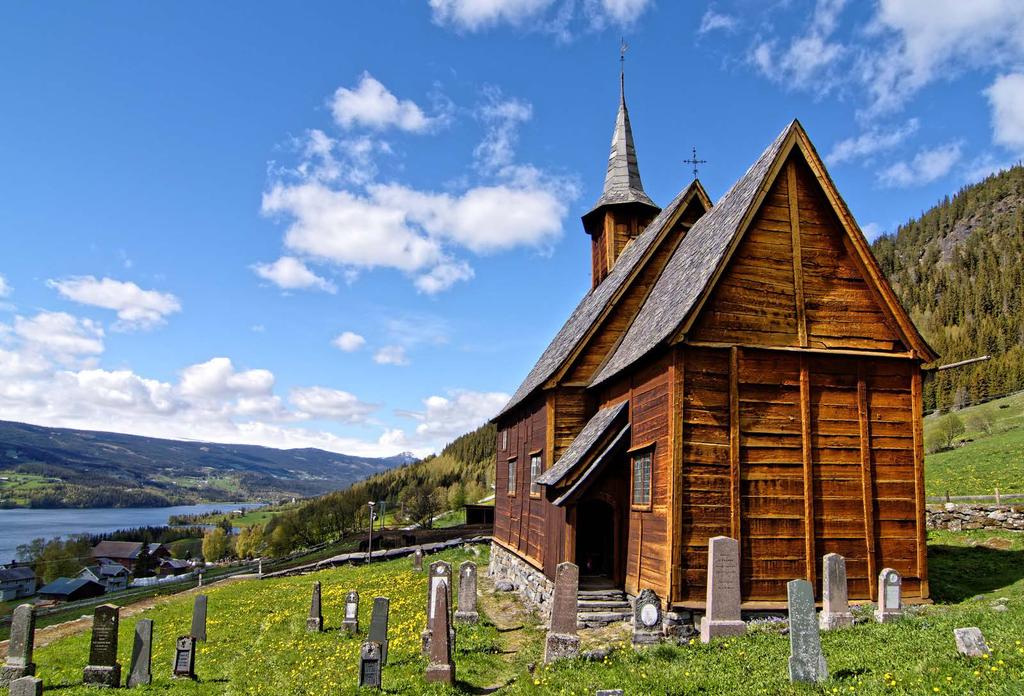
(15, 488)
(258, 643)
(980, 463)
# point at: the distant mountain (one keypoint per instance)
(58, 467)
(959, 270)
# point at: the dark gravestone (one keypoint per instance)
(646, 618)
(562, 640)
(466, 612)
(103, 668)
(417, 559)
(723, 591)
(806, 661)
(140, 672)
(185, 657)
(440, 576)
(199, 618)
(27, 686)
(379, 626)
(351, 620)
(440, 668)
(315, 622)
(19, 648)
(370, 663)
(890, 601)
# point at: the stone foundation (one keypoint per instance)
(957, 517)
(530, 583)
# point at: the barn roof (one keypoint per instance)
(588, 438)
(67, 586)
(694, 265)
(17, 574)
(591, 308)
(117, 549)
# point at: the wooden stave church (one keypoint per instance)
(741, 354)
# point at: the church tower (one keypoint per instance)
(624, 209)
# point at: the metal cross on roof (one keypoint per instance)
(694, 161)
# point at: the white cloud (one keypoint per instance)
(926, 166)
(348, 342)
(443, 276)
(371, 104)
(1006, 97)
(446, 417)
(809, 60)
(391, 355)
(622, 12)
(217, 378)
(714, 21)
(60, 335)
(872, 230)
(136, 308)
(291, 273)
(5, 287)
(541, 15)
(333, 404)
(472, 15)
(871, 142)
(503, 117)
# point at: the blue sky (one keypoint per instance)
(356, 225)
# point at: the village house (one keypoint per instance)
(112, 575)
(127, 552)
(742, 369)
(16, 582)
(70, 590)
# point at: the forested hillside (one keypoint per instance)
(414, 494)
(959, 270)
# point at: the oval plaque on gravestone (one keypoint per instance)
(649, 615)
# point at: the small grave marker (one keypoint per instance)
(440, 578)
(467, 613)
(379, 626)
(806, 661)
(441, 668)
(315, 621)
(646, 618)
(835, 606)
(27, 686)
(890, 602)
(723, 592)
(199, 618)
(562, 640)
(103, 668)
(970, 642)
(351, 621)
(20, 646)
(185, 657)
(370, 663)
(140, 670)
(417, 559)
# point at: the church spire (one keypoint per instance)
(624, 208)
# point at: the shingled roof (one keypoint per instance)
(593, 304)
(692, 266)
(584, 442)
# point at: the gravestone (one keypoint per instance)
(140, 671)
(379, 626)
(370, 663)
(103, 668)
(417, 559)
(562, 640)
(315, 622)
(185, 657)
(467, 613)
(835, 605)
(27, 686)
(970, 642)
(441, 668)
(351, 621)
(890, 602)
(806, 661)
(646, 618)
(20, 646)
(199, 618)
(723, 592)
(440, 576)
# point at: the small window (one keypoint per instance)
(536, 468)
(504, 439)
(511, 477)
(642, 478)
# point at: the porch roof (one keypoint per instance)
(593, 432)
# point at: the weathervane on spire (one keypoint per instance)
(623, 47)
(694, 161)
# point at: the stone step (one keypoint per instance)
(602, 605)
(602, 618)
(601, 594)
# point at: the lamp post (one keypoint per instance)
(369, 548)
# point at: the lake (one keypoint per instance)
(20, 526)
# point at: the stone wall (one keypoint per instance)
(957, 517)
(529, 582)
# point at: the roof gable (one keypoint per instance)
(596, 303)
(702, 256)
